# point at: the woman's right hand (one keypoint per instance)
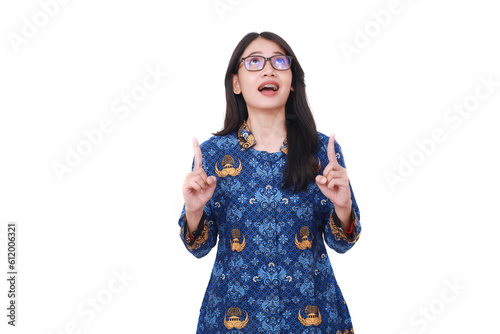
(197, 189)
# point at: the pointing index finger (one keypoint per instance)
(332, 158)
(198, 157)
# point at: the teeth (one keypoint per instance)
(274, 87)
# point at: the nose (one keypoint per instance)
(268, 68)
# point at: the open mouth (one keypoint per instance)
(269, 86)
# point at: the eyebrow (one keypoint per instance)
(275, 52)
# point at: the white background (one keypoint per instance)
(118, 209)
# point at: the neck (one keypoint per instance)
(268, 128)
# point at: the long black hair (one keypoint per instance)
(302, 140)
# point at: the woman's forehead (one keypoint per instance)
(264, 47)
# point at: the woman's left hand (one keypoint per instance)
(334, 183)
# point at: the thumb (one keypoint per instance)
(321, 180)
(212, 181)
(322, 183)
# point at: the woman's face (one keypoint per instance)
(249, 83)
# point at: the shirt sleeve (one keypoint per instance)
(204, 238)
(335, 236)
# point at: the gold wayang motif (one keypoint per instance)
(201, 238)
(234, 318)
(304, 236)
(235, 241)
(227, 167)
(312, 318)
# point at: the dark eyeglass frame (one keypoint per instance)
(290, 58)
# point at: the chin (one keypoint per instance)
(270, 102)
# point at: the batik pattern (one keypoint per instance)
(272, 273)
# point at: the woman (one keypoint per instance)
(271, 188)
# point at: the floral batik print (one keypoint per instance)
(272, 273)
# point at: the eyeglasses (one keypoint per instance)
(278, 62)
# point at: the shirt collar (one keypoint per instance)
(247, 140)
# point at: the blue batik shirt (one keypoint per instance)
(272, 273)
